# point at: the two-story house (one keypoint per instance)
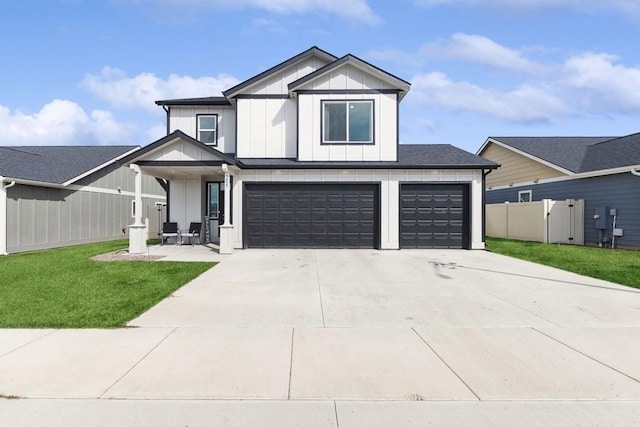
(307, 155)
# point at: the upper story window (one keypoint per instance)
(347, 122)
(207, 128)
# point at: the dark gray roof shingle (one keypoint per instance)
(55, 164)
(579, 154)
(410, 156)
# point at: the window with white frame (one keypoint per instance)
(524, 196)
(347, 122)
(207, 129)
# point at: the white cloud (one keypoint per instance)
(141, 91)
(601, 84)
(350, 10)
(524, 104)
(480, 49)
(631, 7)
(156, 132)
(357, 10)
(62, 122)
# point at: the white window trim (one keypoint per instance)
(523, 192)
(348, 101)
(214, 129)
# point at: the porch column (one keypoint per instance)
(137, 230)
(226, 229)
(3, 214)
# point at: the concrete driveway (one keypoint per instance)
(348, 338)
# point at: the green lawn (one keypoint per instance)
(64, 288)
(618, 266)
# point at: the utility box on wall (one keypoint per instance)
(601, 218)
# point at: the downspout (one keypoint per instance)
(636, 172)
(3, 214)
(166, 110)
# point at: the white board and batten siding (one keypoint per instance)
(389, 180)
(185, 199)
(179, 150)
(184, 119)
(385, 130)
(385, 113)
(279, 82)
(269, 128)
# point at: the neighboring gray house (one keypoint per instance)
(67, 195)
(596, 169)
(307, 155)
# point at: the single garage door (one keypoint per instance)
(434, 216)
(311, 215)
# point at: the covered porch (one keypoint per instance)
(198, 181)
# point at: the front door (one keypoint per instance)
(213, 212)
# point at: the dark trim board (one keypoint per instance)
(176, 163)
(434, 215)
(261, 96)
(346, 91)
(311, 215)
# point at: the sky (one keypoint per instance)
(87, 72)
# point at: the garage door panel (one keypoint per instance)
(434, 215)
(311, 215)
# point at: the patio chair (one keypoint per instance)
(169, 229)
(192, 233)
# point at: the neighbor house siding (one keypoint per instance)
(620, 191)
(515, 168)
(96, 208)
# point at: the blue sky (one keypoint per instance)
(80, 72)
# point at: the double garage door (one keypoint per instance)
(300, 215)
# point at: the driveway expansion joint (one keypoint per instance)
(138, 362)
(586, 355)
(446, 364)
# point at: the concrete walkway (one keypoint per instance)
(348, 338)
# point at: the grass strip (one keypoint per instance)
(64, 288)
(617, 266)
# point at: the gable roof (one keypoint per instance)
(61, 165)
(177, 134)
(575, 154)
(410, 156)
(311, 52)
(400, 84)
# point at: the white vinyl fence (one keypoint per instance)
(546, 221)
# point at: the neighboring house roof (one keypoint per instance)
(57, 164)
(418, 156)
(400, 84)
(576, 154)
(209, 100)
(313, 51)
